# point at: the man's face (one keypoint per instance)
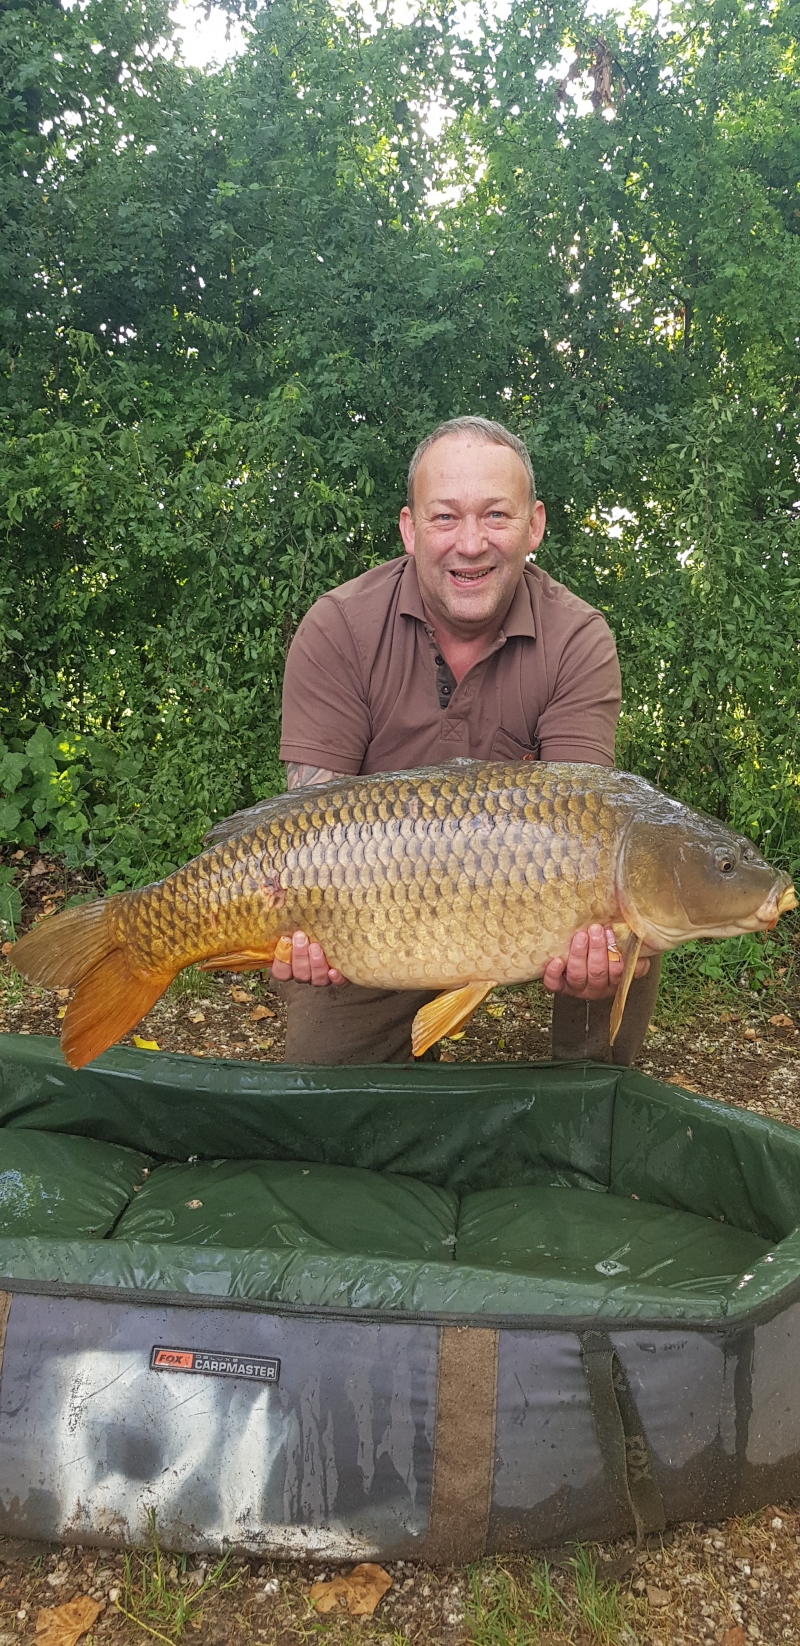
(472, 529)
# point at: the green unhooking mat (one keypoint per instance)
(554, 1233)
(512, 1190)
(426, 1312)
(64, 1186)
(279, 1204)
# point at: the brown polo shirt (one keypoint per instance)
(366, 689)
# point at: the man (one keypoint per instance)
(461, 647)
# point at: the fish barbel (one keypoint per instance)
(454, 877)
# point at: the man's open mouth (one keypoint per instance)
(470, 577)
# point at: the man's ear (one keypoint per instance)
(407, 530)
(537, 526)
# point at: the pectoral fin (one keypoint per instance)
(444, 1015)
(631, 957)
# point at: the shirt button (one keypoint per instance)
(438, 660)
(445, 691)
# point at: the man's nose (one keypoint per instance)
(472, 537)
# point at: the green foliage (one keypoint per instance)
(41, 781)
(10, 902)
(233, 302)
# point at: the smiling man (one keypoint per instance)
(461, 647)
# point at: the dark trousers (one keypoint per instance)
(351, 1025)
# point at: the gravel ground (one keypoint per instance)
(731, 1585)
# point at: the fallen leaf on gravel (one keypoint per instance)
(750, 1034)
(657, 1597)
(17, 857)
(241, 996)
(781, 1021)
(39, 867)
(733, 1637)
(680, 1080)
(7, 947)
(145, 1045)
(360, 1591)
(495, 1011)
(197, 1017)
(64, 1625)
(459, 1035)
(62, 994)
(62, 1011)
(446, 1057)
(260, 1013)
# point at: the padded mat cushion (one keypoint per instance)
(55, 1185)
(561, 1233)
(284, 1203)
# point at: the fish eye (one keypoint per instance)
(724, 860)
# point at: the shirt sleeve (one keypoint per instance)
(325, 717)
(579, 721)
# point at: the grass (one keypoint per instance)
(190, 984)
(12, 987)
(524, 1602)
(602, 1607)
(511, 1605)
(156, 1594)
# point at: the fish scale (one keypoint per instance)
(455, 877)
(424, 880)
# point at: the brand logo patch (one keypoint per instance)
(215, 1363)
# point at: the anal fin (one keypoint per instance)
(447, 1013)
(243, 960)
(631, 957)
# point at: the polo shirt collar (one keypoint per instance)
(520, 614)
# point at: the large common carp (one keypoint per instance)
(454, 877)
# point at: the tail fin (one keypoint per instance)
(79, 947)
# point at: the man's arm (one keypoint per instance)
(307, 777)
(307, 963)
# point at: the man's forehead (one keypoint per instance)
(459, 461)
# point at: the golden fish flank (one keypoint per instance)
(455, 877)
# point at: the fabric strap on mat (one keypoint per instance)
(463, 1448)
(623, 1444)
(5, 1309)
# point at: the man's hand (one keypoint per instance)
(306, 963)
(593, 967)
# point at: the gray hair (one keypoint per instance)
(482, 428)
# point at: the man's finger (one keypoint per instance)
(318, 964)
(577, 961)
(301, 961)
(553, 978)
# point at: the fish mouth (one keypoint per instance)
(782, 898)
